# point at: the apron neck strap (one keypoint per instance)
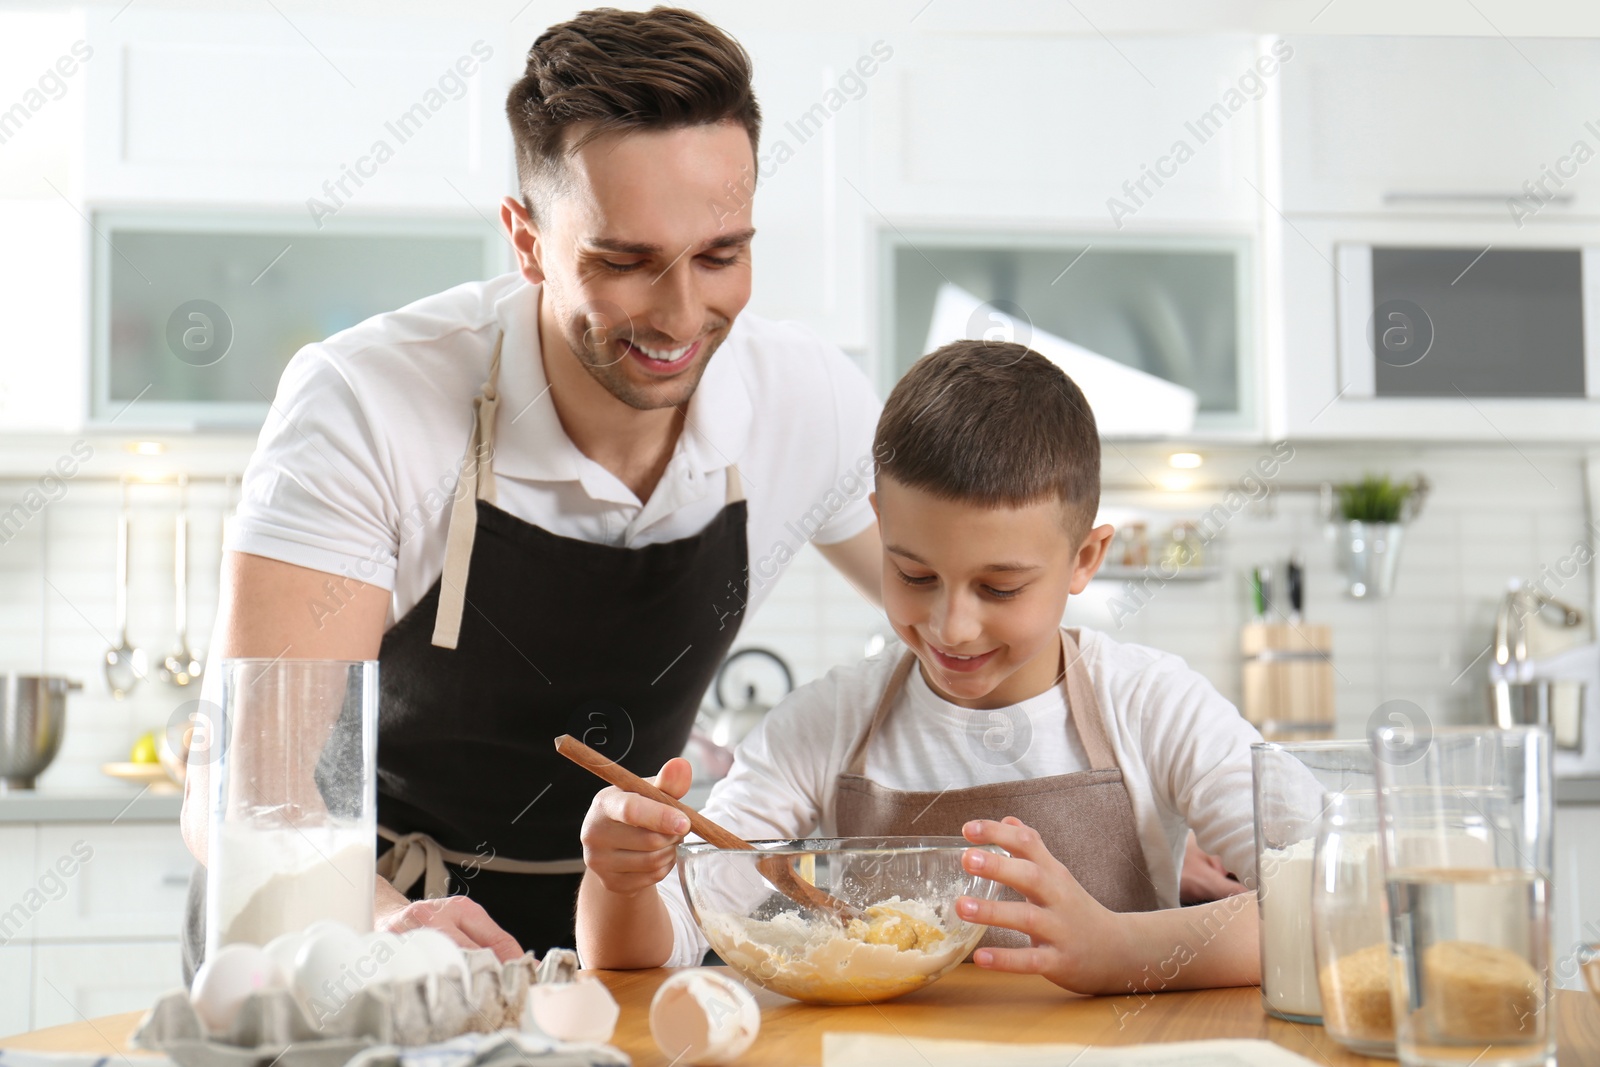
(476, 483)
(1083, 708)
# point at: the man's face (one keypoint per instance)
(644, 254)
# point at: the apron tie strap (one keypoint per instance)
(414, 856)
(418, 855)
(477, 482)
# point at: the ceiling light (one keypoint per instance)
(145, 448)
(1185, 460)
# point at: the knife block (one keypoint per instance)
(1287, 678)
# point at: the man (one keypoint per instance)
(537, 500)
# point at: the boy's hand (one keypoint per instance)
(1077, 941)
(1204, 877)
(630, 842)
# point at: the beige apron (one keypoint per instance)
(1084, 818)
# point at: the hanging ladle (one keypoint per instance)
(182, 666)
(776, 868)
(125, 665)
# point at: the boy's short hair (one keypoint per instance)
(607, 71)
(994, 424)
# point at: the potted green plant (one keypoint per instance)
(1372, 517)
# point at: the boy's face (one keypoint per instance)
(977, 593)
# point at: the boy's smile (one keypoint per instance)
(977, 592)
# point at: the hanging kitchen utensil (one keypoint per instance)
(124, 664)
(775, 869)
(182, 666)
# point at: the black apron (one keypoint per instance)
(551, 635)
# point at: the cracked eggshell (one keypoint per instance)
(704, 1017)
(583, 1010)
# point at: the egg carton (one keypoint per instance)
(277, 1027)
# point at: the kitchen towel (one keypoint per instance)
(883, 1050)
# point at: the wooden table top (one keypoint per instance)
(968, 1003)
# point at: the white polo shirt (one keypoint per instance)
(357, 464)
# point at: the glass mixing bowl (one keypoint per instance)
(908, 936)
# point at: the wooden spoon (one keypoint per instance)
(775, 868)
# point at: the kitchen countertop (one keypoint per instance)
(968, 1003)
(1578, 790)
(113, 804)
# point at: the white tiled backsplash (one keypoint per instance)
(1494, 513)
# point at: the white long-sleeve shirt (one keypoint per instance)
(1183, 749)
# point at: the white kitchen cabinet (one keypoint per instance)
(1576, 895)
(814, 90)
(77, 982)
(1439, 124)
(1049, 129)
(17, 905)
(16, 989)
(133, 884)
(297, 109)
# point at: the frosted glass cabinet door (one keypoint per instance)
(195, 318)
(1174, 308)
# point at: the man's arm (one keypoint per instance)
(860, 560)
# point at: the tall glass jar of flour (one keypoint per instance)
(1291, 780)
(293, 799)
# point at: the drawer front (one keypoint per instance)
(119, 881)
(19, 900)
(77, 982)
(16, 989)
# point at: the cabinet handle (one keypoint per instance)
(175, 879)
(1563, 199)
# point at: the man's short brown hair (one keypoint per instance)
(993, 424)
(608, 71)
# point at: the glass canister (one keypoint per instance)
(1290, 782)
(1349, 925)
(1466, 820)
(292, 836)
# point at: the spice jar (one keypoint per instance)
(1350, 927)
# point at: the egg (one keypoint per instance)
(379, 950)
(227, 979)
(436, 954)
(583, 1010)
(283, 949)
(324, 975)
(703, 1017)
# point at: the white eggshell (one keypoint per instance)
(704, 1017)
(324, 975)
(379, 952)
(226, 980)
(283, 949)
(439, 955)
(322, 926)
(583, 1010)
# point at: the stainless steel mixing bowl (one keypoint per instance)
(33, 714)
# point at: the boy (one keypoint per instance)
(1082, 757)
